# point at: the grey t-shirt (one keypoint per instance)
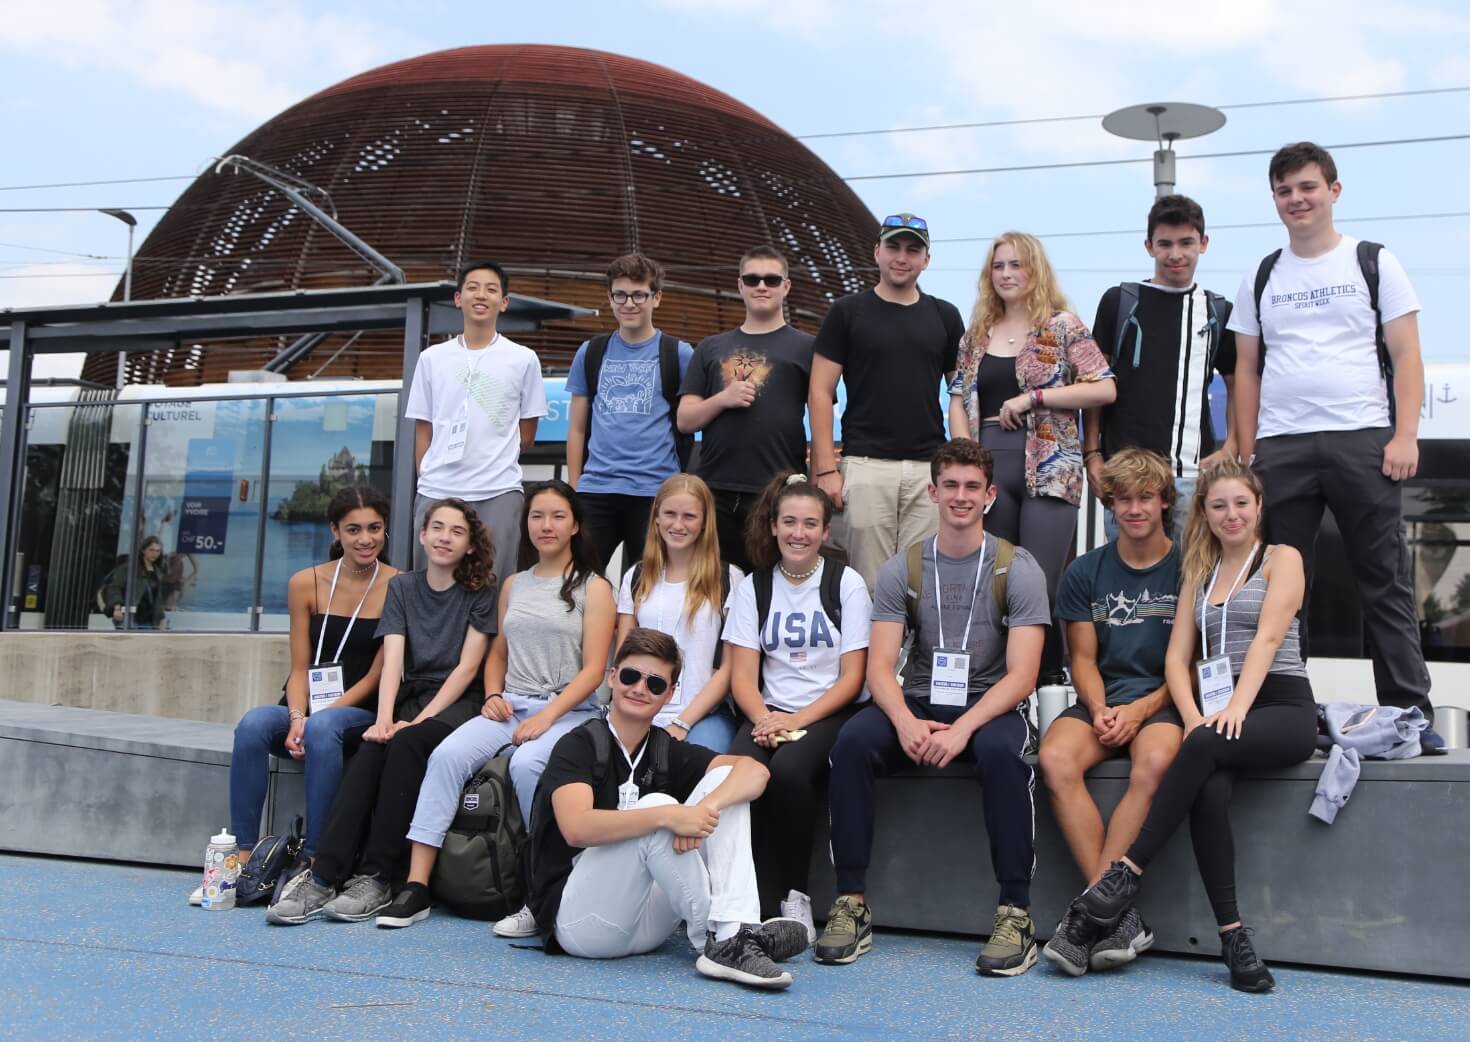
(1026, 605)
(433, 623)
(543, 637)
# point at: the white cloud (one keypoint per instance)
(813, 20)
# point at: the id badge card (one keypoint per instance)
(324, 685)
(949, 679)
(627, 795)
(458, 434)
(1216, 685)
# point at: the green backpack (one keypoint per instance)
(478, 872)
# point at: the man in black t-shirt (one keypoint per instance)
(891, 344)
(746, 390)
(622, 851)
(1165, 338)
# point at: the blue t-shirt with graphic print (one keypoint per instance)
(631, 449)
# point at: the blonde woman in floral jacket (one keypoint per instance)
(1027, 365)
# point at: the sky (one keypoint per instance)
(105, 90)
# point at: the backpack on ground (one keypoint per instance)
(668, 371)
(478, 873)
(267, 864)
(1128, 293)
(1005, 552)
(1368, 265)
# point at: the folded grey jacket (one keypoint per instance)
(1358, 731)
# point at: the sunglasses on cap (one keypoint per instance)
(657, 685)
(755, 280)
(906, 220)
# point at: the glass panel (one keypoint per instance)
(318, 447)
(1439, 545)
(201, 499)
(73, 541)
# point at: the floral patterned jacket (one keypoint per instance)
(1060, 353)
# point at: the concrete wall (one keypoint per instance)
(213, 677)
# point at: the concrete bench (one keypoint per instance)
(119, 787)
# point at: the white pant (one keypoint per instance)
(469, 748)
(626, 898)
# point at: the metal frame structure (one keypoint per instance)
(421, 310)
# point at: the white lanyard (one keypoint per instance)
(475, 358)
(1224, 608)
(628, 791)
(322, 636)
(974, 595)
(632, 762)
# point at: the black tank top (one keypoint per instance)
(357, 654)
(995, 383)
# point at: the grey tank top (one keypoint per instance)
(543, 639)
(1244, 616)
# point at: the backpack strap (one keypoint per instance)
(669, 378)
(724, 599)
(1263, 276)
(592, 370)
(601, 747)
(915, 560)
(761, 580)
(831, 593)
(659, 748)
(1005, 553)
(1368, 264)
(1128, 312)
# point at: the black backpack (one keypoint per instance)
(1218, 306)
(724, 596)
(668, 372)
(267, 865)
(831, 596)
(478, 872)
(1368, 265)
(654, 768)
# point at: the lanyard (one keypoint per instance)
(1224, 608)
(475, 358)
(322, 636)
(632, 762)
(974, 595)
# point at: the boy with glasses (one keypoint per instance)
(621, 438)
(746, 390)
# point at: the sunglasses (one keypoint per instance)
(770, 280)
(899, 220)
(657, 685)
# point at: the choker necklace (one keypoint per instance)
(802, 577)
(363, 570)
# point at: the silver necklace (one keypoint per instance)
(794, 577)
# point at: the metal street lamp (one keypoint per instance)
(132, 223)
(1164, 123)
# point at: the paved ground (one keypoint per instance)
(100, 951)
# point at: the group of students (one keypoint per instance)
(751, 673)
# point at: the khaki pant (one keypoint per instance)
(886, 509)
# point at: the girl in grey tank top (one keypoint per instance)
(1242, 620)
(543, 638)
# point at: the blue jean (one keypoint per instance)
(716, 730)
(260, 734)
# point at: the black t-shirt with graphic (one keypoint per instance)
(742, 449)
(893, 357)
(573, 760)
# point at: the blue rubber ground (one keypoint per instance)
(97, 951)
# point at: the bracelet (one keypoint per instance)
(295, 715)
(1036, 398)
(824, 473)
(678, 722)
(1091, 453)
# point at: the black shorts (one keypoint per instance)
(1168, 715)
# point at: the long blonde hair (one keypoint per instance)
(704, 585)
(1043, 296)
(1201, 548)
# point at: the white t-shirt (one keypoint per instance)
(803, 649)
(502, 386)
(1321, 362)
(663, 609)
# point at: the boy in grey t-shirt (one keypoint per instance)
(969, 672)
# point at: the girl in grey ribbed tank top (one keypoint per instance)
(543, 639)
(1244, 615)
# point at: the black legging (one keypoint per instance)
(1279, 730)
(782, 820)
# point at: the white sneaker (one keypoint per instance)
(521, 924)
(799, 907)
(197, 897)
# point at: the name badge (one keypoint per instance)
(324, 685)
(949, 679)
(458, 434)
(1216, 685)
(627, 795)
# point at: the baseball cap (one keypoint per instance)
(904, 224)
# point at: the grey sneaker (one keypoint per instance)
(1011, 950)
(302, 899)
(362, 898)
(799, 907)
(848, 933)
(1072, 941)
(742, 959)
(1130, 940)
(783, 938)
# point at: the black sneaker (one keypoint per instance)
(784, 938)
(1247, 971)
(742, 959)
(1105, 901)
(848, 933)
(1431, 743)
(1130, 940)
(1072, 941)
(410, 906)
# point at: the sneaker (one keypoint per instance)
(1105, 901)
(1011, 950)
(362, 898)
(848, 934)
(302, 899)
(1072, 941)
(520, 924)
(742, 959)
(409, 907)
(1247, 971)
(784, 938)
(1130, 940)
(196, 897)
(799, 907)
(1431, 742)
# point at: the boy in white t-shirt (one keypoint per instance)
(476, 399)
(1317, 413)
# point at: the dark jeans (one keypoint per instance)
(1301, 474)
(868, 749)
(732, 510)
(615, 520)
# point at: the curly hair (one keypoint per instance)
(475, 570)
(1043, 297)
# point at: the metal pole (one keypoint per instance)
(132, 223)
(12, 471)
(262, 486)
(405, 468)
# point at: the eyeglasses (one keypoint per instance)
(637, 296)
(900, 220)
(657, 685)
(755, 280)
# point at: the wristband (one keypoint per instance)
(1091, 453)
(678, 722)
(1036, 398)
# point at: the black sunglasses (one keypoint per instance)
(770, 280)
(657, 685)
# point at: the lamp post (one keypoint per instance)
(1164, 124)
(132, 223)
